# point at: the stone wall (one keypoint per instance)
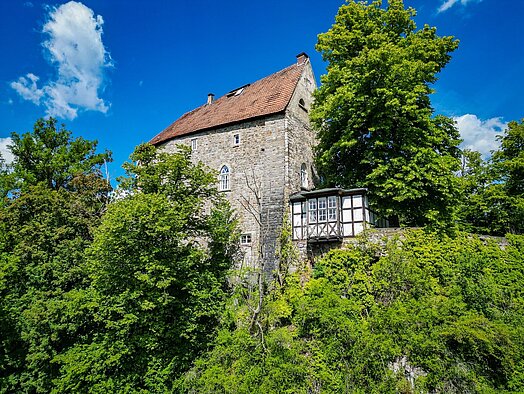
(266, 162)
(301, 138)
(257, 166)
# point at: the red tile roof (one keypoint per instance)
(266, 96)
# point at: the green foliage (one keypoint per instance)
(49, 155)
(6, 181)
(508, 164)
(45, 228)
(493, 201)
(157, 268)
(373, 113)
(419, 314)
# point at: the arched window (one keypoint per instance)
(224, 179)
(302, 104)
(303, 176)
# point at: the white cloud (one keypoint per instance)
(26, 87)
(450, 3)
(480, 135)
(6, 154)
(74, 45)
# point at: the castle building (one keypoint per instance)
(259, 140)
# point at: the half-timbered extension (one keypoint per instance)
(330, 214)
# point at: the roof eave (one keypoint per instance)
(192, 132)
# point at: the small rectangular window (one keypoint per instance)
(304, 212)
(194, 144)
(322, 212)
(332, 208)
(245, 239)
(236, 139)
(312, 209)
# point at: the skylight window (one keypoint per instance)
(237, 91)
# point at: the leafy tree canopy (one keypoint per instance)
(493, 201)
(509, 159)
(157, 268)
(45, 228)
(373, 113)
(50, 155)
(421, 313)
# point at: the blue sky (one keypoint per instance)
(120, 71)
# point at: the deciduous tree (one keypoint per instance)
(373, 114)
(47, 220)
(50, 155)
(158, 267)
(493, 191)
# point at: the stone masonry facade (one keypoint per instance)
(264, 156)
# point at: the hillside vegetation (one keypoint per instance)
(420, 314)
(133, 292)
(136, 291)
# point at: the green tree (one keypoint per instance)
(45, 226)
(51, 156)
(157, 267)
(476, 211)
(373, 113)
(493, 195)
(508, 163)
(6, 181)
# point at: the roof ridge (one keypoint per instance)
(265, 96)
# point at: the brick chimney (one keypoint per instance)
(210, 98)
(302, 58)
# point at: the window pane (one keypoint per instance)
(312, 205)
(321, 215)
(332, 208)
(332, 202)
(332, 214)
(322, 209)
(303, 175)
(245, 239)
(304, 211)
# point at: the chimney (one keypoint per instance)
(210, 98)
(302, 58)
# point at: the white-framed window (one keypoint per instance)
(194, 144)
(322, 209)
(236, 139)
(224, 184)
(303, 176)
(245, 239)
(312, 209)
(332, 208)
(303, 215)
